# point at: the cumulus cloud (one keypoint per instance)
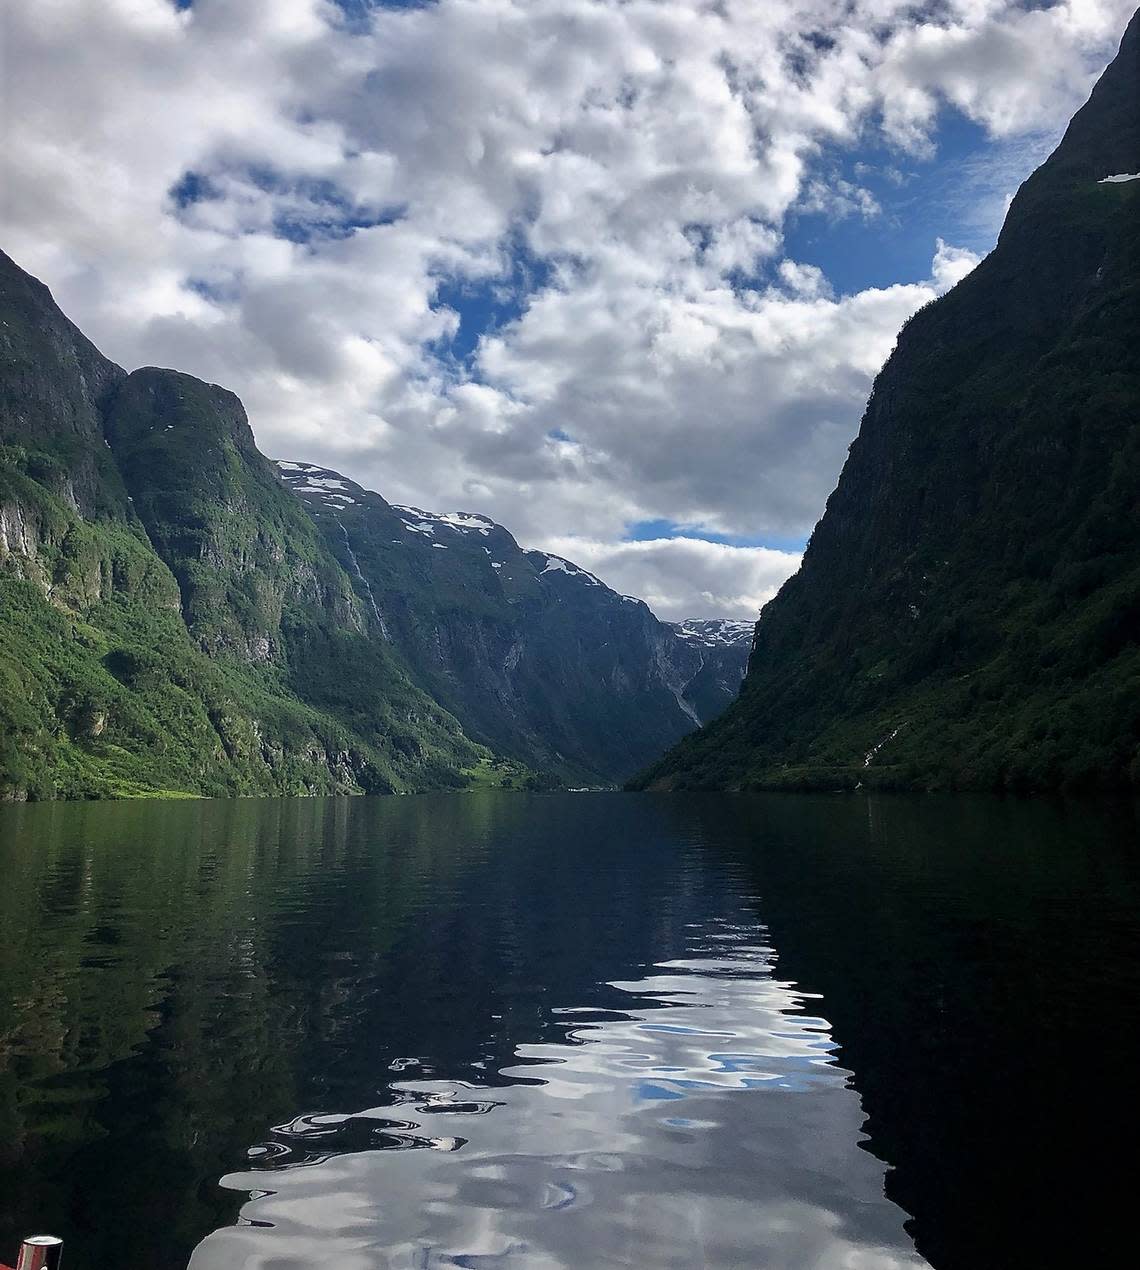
(685, 577)
(310, 207)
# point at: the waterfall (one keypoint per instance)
(352, 560)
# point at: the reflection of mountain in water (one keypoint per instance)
(703, 1124)
(979, 962)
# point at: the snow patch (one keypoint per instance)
(319, 484)
(715, 632)
(462, 521)
(307, 480)
(466, 520)
(1119, 179)
(555, 564)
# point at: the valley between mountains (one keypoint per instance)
(180, 616)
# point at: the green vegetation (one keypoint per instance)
(504, 773)
(968, 610)
(120, 702)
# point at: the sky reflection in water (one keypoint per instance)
(705, 1124)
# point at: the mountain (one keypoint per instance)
(178, 615)
(968, 608)
(170, 619)
(723, 647)
(536, 657)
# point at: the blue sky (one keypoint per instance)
(917, 200)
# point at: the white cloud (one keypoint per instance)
(1010, 67)
(838, 198)
(635, 160)
(684, 577)
(950, 265)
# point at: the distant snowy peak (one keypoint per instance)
(333, 490)
(328, 490)
(325, 489)
(716, 632)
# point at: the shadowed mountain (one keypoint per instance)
(535, 656)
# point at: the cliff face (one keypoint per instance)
(56, 471)
(536, 657)
(969, 605)
(53, 386)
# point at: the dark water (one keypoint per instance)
(578, 1031)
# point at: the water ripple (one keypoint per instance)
(705, 1124)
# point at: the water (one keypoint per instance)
(500, 1030)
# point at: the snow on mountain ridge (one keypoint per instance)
(556, 564)
(714, 632)
(327, 488)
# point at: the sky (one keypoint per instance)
(618, 273)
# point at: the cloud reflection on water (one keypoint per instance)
(707, 1124)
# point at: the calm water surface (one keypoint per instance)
(499, 1030)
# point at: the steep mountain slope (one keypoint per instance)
(536, 657)
(70, 550)
(169, 618)
(968, 609)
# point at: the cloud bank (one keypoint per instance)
(519, 256)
